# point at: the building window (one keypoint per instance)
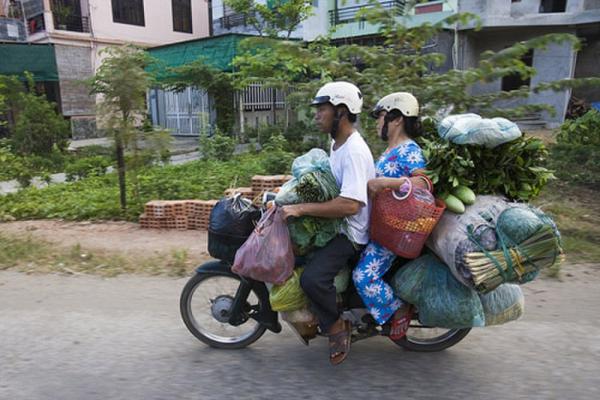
(515, 81)
(553, 6)
(182, 16)
(129, 12)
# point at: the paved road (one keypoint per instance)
(121, 338)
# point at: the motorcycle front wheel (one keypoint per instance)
(429, 339)
(205, 305)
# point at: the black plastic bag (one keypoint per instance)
(232, 220)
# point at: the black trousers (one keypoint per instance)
(319, 273)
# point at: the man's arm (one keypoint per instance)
(339, 207)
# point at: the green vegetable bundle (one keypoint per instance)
(514, 169)
(316, 186)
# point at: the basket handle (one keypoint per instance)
(407, 195)
(426, 179)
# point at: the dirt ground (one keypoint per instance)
(118, 237)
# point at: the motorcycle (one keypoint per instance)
(228, 311)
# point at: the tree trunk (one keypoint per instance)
(121, 170)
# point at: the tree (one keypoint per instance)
(122, 82)
(401, 62)
(275, 18)
(33, 123)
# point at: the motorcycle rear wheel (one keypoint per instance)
(424, 339)
(204, 305)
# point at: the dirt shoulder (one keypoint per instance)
(105, 248)
(121, 237)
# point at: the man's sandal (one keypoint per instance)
(339, 344)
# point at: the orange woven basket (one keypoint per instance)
(402, 223)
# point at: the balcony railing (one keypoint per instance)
(73, 23)
(348, 14)
(36, 24)
(232, 20)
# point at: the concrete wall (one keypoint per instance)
(587, 66)
(74, 66)
(591, 5)
(158, 27)
(317, 24)
(554, 63)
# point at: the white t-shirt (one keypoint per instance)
(352, 166)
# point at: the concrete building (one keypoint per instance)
(507, 22)
(79, 29)
(503, 23)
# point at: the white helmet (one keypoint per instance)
(338, 93)
(404, 102)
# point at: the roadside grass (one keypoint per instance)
(576, 211)
(31, 255)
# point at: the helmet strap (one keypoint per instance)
(335, 126)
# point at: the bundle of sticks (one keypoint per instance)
(490, 270)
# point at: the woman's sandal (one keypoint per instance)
(339, 344)
(400, 323)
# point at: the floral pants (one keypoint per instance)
(377, 294)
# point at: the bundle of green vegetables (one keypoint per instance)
(513, 169)
(313, 183)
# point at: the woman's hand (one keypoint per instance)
(375, 186)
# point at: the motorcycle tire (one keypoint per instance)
(218, 312)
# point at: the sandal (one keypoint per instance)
(400, 323)
(339, 344)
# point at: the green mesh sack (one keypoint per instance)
(504, 304)
(518, 224)
(342, 280)
(441, 300)
(288, 296)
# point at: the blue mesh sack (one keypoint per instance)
(314, 160)
(441, 300)
(472, 129)
(504, 304)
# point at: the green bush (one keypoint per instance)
(276, 159)
(87, 166)
(96, 150)
(98, 197)
(39, 129)
(218, 147)
(584, 130)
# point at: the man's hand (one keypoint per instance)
(294, 210)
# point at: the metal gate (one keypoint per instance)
(187, 112)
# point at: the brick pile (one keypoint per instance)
(195, 214)
(267, 183)
(177, 214)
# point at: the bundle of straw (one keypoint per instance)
(490, 270)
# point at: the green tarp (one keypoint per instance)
(39, 59)
(217, 51)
